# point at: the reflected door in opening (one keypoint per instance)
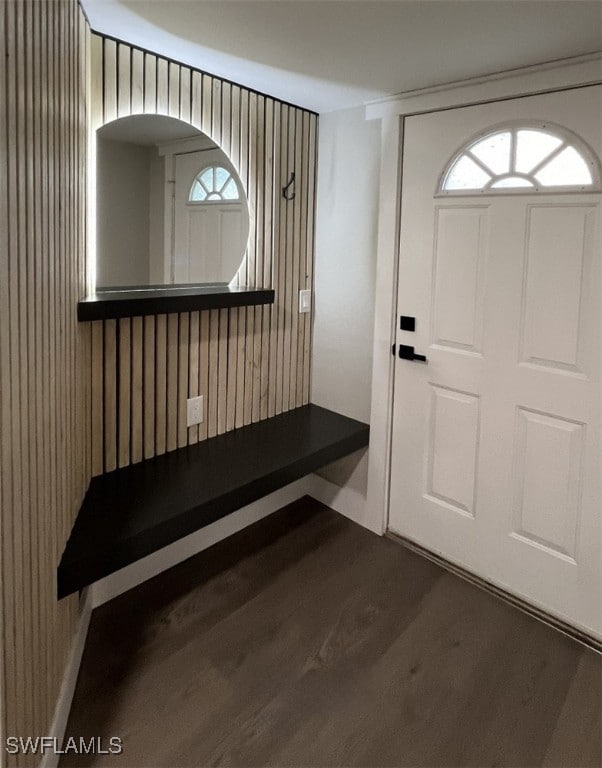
(495, 450)
(207, 233)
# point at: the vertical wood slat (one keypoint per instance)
(137, 342)
(282, 266)
(137, 82)
(251, 155)
(185, 96)
(296, 257)
(96, 85)
(46, 360)
(231, 368)
(171, 403)
(275, 272)
(42, 609)
(289, 297)
(54, 184)
(97, 396)
(302, 252)
(193, 369)
(124, 82)
(259, 254)
(149, 96)
(309, 254)
(206, 113)
(248, 363)
(124, 384)
(213, 392)
(266, 278)
(222, 382)
(110, 395)
(242, 97)
(109, 80)
(160, 384)
(173, 89)
(35, 585)
(149, 387)
(216, 111)
(196, 96)
(204, 371)
(162, 87)
(182, 394)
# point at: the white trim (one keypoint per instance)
(347, 501)
(565, 73)
(63, 704)
(554, 76)
(385, 316)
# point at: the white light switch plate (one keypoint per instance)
(194, 411)
(304, 301)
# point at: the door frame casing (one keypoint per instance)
(530, 81)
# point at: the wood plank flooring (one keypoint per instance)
(306, 640)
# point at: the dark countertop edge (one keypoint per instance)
(148, 303)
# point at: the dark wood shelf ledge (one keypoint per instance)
(132, 512)
(106, 305)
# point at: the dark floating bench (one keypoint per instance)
(132, 512)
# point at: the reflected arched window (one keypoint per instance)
(522, 158)
(214, 183)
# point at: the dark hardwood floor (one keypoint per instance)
(306, 640)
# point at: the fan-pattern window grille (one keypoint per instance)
(214, 183)
(522, 159)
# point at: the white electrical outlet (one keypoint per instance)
(304, 301)
(194, 411)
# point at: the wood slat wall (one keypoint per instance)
(44, 353)
(78, 399)
(248, 363)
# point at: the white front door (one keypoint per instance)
(209, 237)
(495, 450)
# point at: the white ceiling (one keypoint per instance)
(332, 54)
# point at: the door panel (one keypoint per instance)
(548, 453)
(459, 277)
(452, 452)
(495, 449)
(208, 238)
(559, 239)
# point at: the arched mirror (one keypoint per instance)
(171, 209)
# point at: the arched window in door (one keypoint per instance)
(522, 158)
(214, 183)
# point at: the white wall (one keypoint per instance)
(156, 225)
(346, 232)
(122, 200)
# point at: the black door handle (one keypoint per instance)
(407, 353)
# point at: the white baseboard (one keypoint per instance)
(151, 565)
(63, 704)
(346, 501)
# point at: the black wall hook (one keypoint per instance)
(286, 191)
